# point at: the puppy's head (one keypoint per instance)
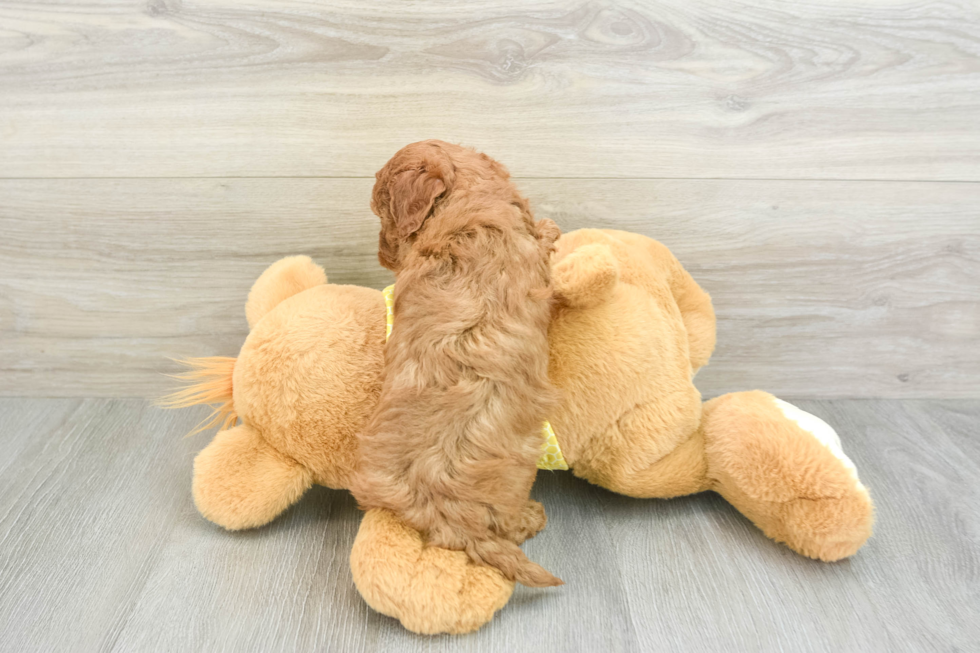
(405, 191)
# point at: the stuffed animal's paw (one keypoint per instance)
(242, 482)
(430, 590)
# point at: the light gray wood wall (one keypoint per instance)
(816, 167)
(864, 89)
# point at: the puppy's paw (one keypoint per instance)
(532, 521)
(548, 233)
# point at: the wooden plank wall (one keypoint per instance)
(816, 167)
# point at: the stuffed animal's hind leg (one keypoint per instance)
(784, 469)
(649, 454)
(280, 281)
(242, 482)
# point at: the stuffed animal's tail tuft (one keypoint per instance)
(208, 381)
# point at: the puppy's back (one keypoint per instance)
(453, 446)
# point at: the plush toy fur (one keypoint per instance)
(629, 333)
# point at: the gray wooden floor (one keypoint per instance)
(101, 549)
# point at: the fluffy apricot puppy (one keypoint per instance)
(453, 445)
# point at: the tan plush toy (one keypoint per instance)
(630, 331)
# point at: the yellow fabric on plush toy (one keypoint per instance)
(389, 294)
(551, 458)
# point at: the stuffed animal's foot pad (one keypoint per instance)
(430, 590)
(820, 430)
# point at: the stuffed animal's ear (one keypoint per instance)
(280, 281)
(586, 277)
(413, 192)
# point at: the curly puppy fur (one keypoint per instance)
(452, 448)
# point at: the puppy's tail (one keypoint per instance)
(512, 563)
(208, 381)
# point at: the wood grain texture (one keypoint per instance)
(101, 549)
(828, 289)
(668, 88)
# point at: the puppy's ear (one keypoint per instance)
(387, 252)
(412, 193)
